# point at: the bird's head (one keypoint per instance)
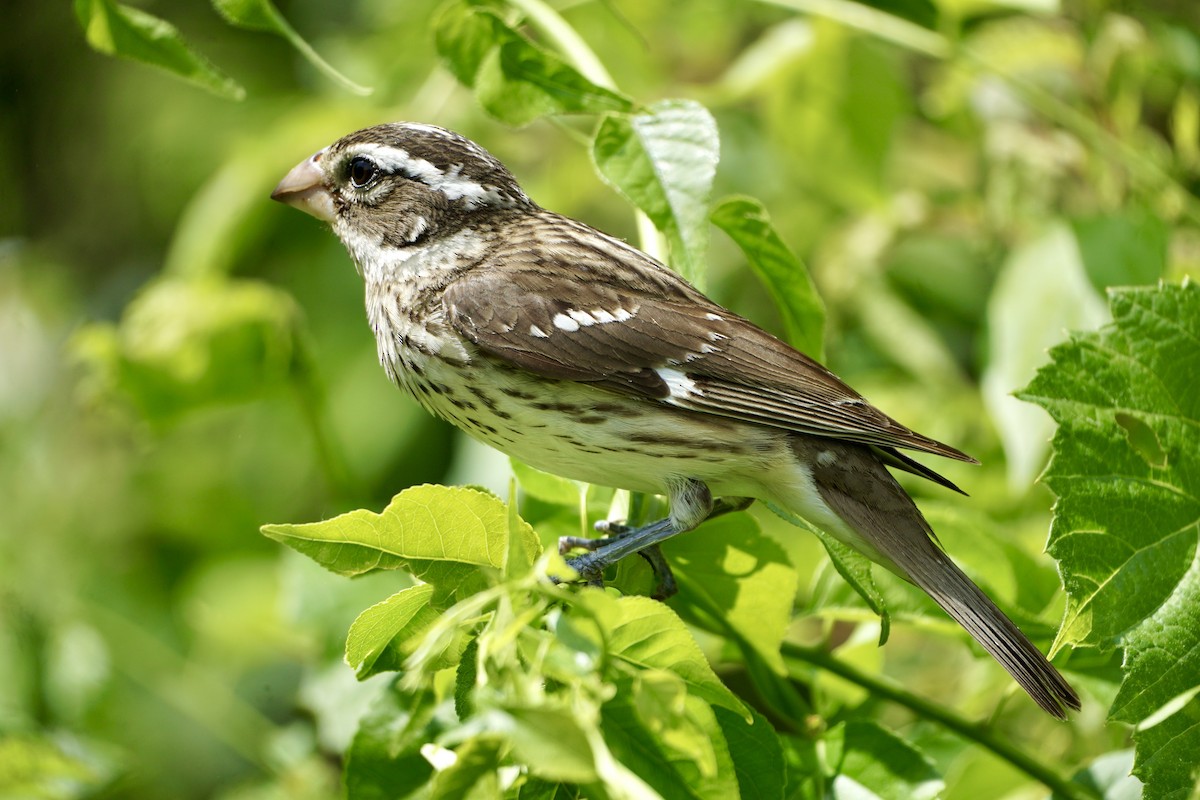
(394, 186)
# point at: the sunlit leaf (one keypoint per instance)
(261, 15)
(642, 747)
(441, 534)
(516, 80)
(663, 161)
(1127, 519)
(382, 636)
(784, 275)
(745, 574)
(120, 30)
(648, 635)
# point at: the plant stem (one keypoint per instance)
(948, 719)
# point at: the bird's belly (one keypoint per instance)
(580, 432)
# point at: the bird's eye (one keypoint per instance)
(363, 172)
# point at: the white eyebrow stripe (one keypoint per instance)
(448, 182)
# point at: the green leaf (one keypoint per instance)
(663, 161)
(261, 15)
(872, 762)
(646, 634)
(515, 80)
(441, 534)
(641, 744)
(116, 29)
(745, 574)
(1166, 755)
(1127, 519)
(184, 344)
(1125, 527)
(853, 566)
(746, 222)
(384, 760)
(551, 741)
(388, 632)
(757, 754)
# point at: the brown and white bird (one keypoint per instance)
(582, 356)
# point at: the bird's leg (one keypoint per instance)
(691, 504)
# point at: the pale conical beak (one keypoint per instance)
(304, 188)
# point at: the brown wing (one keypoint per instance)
(638, 329)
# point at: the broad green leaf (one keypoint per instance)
(441, 534)
(746, 222)
(464, 35)
(673, 775)
(853, 566)
(663, 161)
(383, 635)
(384, 760)
(1166, 755)
(1162, 659)
(116, 29)
(1126, 522)
(745, 574)
(756, 752)
(1126, 470)
(1042, 291)
(871, 762)
(261, 15)
(185, 344)
(515, 80)
(648, 635)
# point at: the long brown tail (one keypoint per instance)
(883, 521)
(934, 572)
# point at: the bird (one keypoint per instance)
(577, 353)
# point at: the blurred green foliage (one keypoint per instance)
(182, 362)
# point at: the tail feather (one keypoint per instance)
(868, 509)
(995, 632)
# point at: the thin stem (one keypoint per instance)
(964, 727)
